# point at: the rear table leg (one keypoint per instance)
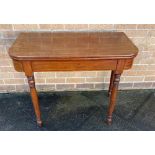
(111, 83)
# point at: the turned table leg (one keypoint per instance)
(31, 81)
(34, 97)
(114, 88)
(111, 82)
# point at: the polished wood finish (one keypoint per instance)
(72, 46)
(73, 51)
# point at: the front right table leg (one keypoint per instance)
(113, 97)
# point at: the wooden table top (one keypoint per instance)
(72, 45)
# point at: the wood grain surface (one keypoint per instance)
(72, 45)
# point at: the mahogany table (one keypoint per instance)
(73, 51)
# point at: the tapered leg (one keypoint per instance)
(114, 88)
(34, 97)
(111, 82)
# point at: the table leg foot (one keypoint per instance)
(39, 123)
(109, 120)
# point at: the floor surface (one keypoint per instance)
(78, 111)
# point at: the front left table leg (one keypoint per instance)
(113, 97)
(35, 100)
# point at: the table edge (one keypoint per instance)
(72, 58)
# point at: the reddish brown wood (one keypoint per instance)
(115, 83)
(73, 51)
(72, 46)
(113, 97)
(31, 81)
(73, 65)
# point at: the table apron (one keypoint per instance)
(76, 65)
(72, 65)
